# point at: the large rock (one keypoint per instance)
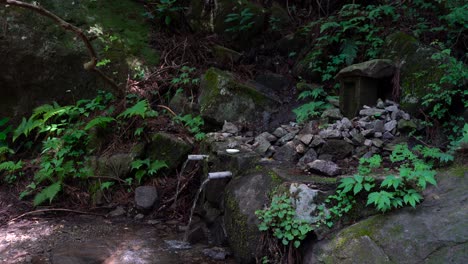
(325, 167)
(42, 63)
(169, 148)
(245, 195)
(145, 197)
(223, 98)
(339, 149)
(417, 70)
(435, 232)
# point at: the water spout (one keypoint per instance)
(211, 176)
(194, 157)
(219, 175)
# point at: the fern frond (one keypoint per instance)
(26, 127)
(139, 109)
(5, 150)
(10, 166)
(48, 193)
(40, 110)
(100, 121)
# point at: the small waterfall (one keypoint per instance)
(189, 158)
(211, 176)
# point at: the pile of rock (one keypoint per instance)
(315, 148)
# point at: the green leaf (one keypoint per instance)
(357, 188)
(297, 243)
(156, 166)
(48, 193)
(139, 109)
(100, 121)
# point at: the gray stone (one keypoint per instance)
(348, 140)
(280, 132)
(300, 148)
(308, 157)
(372, 112)
(317, 141)
(390, 126)
(328, 168)
(376, 69)
(304, 202)
(306, 139)
(367, 132)
(433, 232)
(229, 127)
(378, 126)
(380, 104)
(216, 253)
(405, 116)
(387, 135)
(287, 153)
(378, 134)
(262, 145)
(288, 137)
(119, 211)
(377, 142)
(346, 123)
(329, 133)
(332, 114)
(345, 134)
(145, 197)
(392, 108)
(339, 149)
(327, 157)
(357, 137)
(368, 142)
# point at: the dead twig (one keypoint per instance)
(53, 210)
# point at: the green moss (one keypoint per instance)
(458, 170)
(237, 228)
(368, 227)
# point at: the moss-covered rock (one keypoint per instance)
(223, 98)
(245, 195)
(418, 69)
(41, 62)
(434, 232)
(169, 148)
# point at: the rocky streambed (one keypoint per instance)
(91, 239)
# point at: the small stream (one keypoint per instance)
(80, 239)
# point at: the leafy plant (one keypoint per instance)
(194, 125)
(314, 108)
(280, 219)
(4, 131)
(12, 170)
(166, 9)
(146, 167)
(141, 108)
(241, 21)
(395, 191)
(185, 77)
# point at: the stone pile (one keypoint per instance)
(315, 148)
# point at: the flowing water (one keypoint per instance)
(193, 207)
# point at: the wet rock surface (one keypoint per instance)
(433, 232)
(91, 239)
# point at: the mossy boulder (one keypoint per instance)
(418, 69)
(41, 62)
(169, 148)
(224, 98)
(245, 195)
(433, 232)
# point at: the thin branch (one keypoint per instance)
(90, 65)
(53, 210)
(168, 109)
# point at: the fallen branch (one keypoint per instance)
(90, 65)
(53, 210)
